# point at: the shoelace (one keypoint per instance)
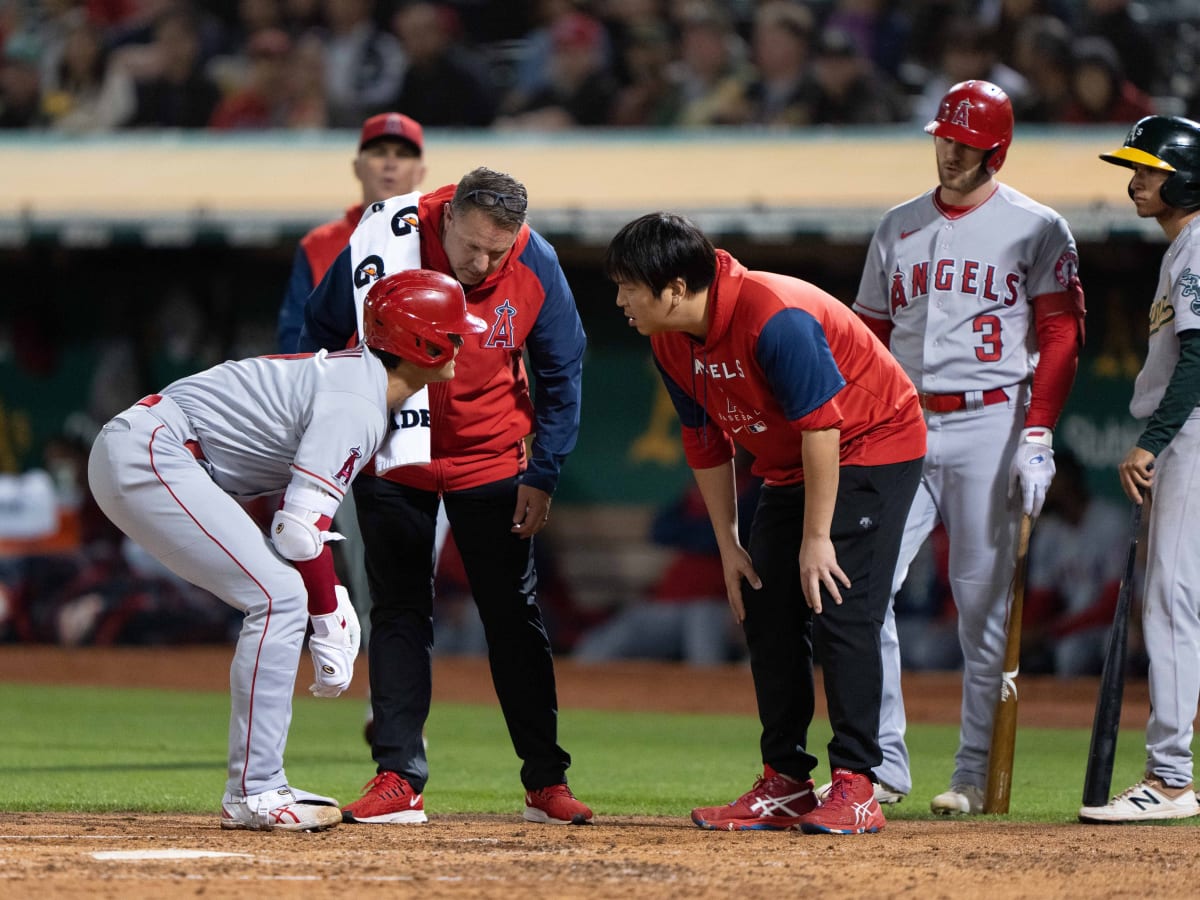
(387, 784)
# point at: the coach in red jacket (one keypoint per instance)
(792, 375)
(496, 496)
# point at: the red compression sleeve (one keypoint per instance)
(1059, 322)
(319, 576)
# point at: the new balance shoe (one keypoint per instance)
(1146, 801)
(850, 807)
(555, 805)
(279, 809)
(885, 794)
(387, 799)
(960, 800)
(775, 803)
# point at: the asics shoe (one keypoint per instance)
(1146, 801)
(885, 794)
(387, 799)
(850, 807)
(555, 805)
(775, 803)
(279, 809)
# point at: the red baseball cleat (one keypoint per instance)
(850, 808)
(387, 799)
(775, 803)
(555, 805)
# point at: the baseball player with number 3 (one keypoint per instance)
(169, 472)
(1164, 154)
(973, 287)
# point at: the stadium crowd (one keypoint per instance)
(95, 66)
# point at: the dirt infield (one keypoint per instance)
(151, 856)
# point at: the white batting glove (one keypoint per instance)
(334, 646)
(1033, 468)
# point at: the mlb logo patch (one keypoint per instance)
(757, 428)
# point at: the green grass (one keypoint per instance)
(98, 749)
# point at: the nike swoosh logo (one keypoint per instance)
(905, 234)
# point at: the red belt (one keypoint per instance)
(191, 444)
(945, 403)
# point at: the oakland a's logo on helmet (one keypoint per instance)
(370, 269)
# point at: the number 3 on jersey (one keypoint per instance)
(988, 329)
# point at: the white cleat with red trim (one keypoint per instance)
(280, 809)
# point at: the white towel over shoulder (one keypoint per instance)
(387, 241)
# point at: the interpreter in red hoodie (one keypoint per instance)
(793, 376)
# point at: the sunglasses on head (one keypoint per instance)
(511, 202)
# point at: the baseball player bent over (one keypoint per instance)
(973, 287)
(1164, 154)
(790, 374)
(169, 472)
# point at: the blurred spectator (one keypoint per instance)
(445, 83)
(780, 47)
(687, 615)
(967, 52)
(532, 72)
(265, 100)
(626, 22)
(20, 86)
(581, 89)
(364, 65)
(1042, 53)
(650, 98)
(712, 71)
(846, 89)
(876, 27)
(310, 107)
(1076, 562)
(81, 92)
(173, 90)
(138, 29)
(1100, 91)
(1136, 47)
(301, 16)
(1004, 19)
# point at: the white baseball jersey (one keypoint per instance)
(1176, 308)
(957, 288)
(264, 420)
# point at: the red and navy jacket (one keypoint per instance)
(316, 253)
(482, 416)
(783, 357)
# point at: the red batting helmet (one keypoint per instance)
(978, 114)
(416, 314)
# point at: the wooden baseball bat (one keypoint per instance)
(1107, 721)
(1004, 728)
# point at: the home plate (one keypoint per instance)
(162, 854)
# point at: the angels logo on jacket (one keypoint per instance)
(502, 334)
(346, 472)
(370, 269)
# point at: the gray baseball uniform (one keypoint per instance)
(1171, 607)
(957, 288)
(167, 472)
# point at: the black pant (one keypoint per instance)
(398, 525)
(782, 632)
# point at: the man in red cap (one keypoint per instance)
(389, 162)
